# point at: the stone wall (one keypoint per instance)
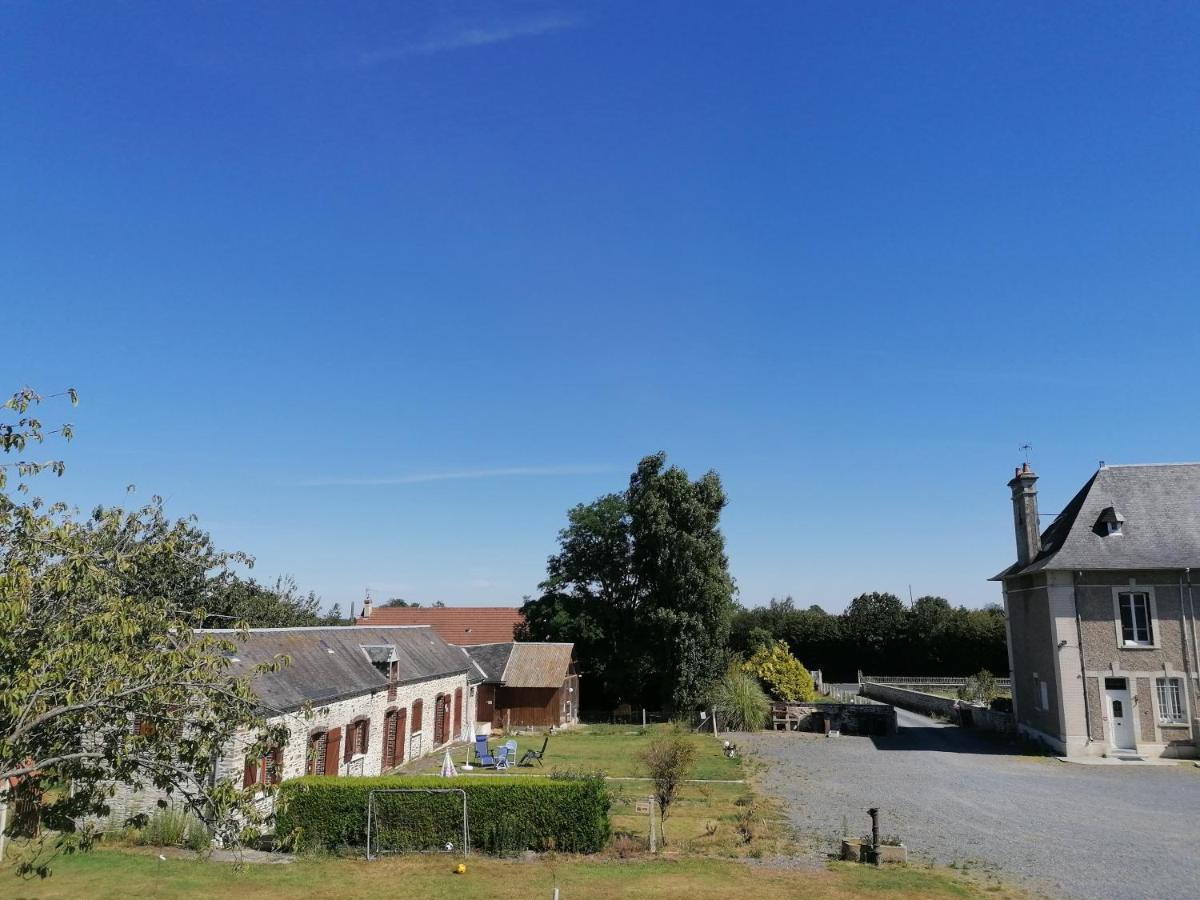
(374, 706)
(931, 704)
(848, 718)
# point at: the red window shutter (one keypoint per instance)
(416, 717)
(331, 751)
(277, 768)
(350, 735)
(401, 743)
(366, 735)
(249, 772)
(458, 700)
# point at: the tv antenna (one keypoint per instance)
(1026, 449)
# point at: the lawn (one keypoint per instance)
(130, 873)
(614, 749)
(725, 840)
(713, 814)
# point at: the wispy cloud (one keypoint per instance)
(459, 475)
(462, 38)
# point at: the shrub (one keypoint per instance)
(785, 675)
(669, 760)
(504, 814)
(979, 688)
(173, 827)
(739, 699)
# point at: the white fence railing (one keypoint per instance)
(916, 682)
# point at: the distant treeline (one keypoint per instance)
(881, 635)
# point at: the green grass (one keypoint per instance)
(107, 874)
(704, 818)
(615, 749)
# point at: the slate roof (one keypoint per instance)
(1159, 510)
(459, 625)
(329, 663)
(524, 664)
(492, 658)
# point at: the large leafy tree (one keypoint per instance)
(681, 569)
(641, 585)
(104, 680)
(233, 600)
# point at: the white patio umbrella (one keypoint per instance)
(448, 770)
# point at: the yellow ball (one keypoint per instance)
(461, 869)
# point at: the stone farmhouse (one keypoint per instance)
(377, 698)
(1101, 614)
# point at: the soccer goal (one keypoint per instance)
(417, 820)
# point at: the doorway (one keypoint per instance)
(1119, 706)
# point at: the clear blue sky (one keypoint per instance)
(303, 260)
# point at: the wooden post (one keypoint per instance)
(714, 721)
(653, 842)
(3, 825)
(643, 717)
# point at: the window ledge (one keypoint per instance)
(1139, 646)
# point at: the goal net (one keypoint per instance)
(417, 820)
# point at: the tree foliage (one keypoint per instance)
(669, 760)
(24, 428)
(103, 678)
(641, 585)
(785, 676)
(979, 688)
(234, 601)
(880, 635)
(105, 681)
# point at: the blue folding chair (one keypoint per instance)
(502, 759)
(481, 746)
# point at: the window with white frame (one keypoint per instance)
(1136, 628)
(1170, 701)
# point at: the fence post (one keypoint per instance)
(643, 717)
(3, 825)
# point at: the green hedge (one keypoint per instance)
(505, 815)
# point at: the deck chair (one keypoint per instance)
(535, 754)
(502, 761)
(481, 747)
(485, 756)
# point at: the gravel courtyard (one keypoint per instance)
(955, 797)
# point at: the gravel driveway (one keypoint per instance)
(954, 797)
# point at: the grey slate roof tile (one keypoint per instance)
(329, 663)
(1159, 509)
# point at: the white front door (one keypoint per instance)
(1120, 713)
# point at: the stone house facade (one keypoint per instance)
(356, 701)
(1101, 614)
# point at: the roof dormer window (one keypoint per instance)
(1110, 522)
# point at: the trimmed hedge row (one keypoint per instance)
(505, 815)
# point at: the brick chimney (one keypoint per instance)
(1025, 515)
(366, 613)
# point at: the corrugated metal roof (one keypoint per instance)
(329, 663)
(537, 665)
(459, 625)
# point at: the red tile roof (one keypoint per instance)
(459, 625)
